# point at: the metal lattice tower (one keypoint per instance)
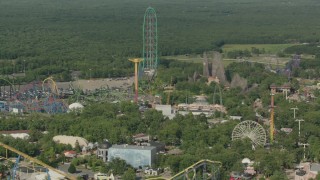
(150, 41)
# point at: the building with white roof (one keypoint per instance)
(21, 134)
(62, 139)
(76, 107)
(167, 110)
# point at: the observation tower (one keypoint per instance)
(150, 43)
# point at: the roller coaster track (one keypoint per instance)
(184, 173)
(52, 84)
(68, 176)
(12, 87)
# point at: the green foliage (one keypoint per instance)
(239, 54)
(72, 169)
(279, 176)
(129, 174)
(106, 37)
(77, 147)
(303, 49)
(119, 167)
(3, 169)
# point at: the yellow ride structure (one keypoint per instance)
(136, 62)
(34, 160)
(51, 84)
(185, 174)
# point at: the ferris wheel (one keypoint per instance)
(252, 130)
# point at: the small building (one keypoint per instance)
(314, 170)
(17, 110)
(89, 148)
(200, 106)
(21, 134)
(103, 176)
(152, 172)
(307, 170)
(159, 145)
(134, 155)
(70, 154)
(236, 118)
(102, 151)
(141, 137)
(3, 106)
(167, 110)
(286, 130)
(76, 107)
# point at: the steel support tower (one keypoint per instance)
(136, 61)
(272, 118)
(150, 42)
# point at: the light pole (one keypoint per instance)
(13, 66)
(24, 67)
(294, 112)
(304, 148)
(299, 120)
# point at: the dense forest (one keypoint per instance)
(56, 37)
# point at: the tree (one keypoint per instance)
(77, 147)
(72, 169)
(129, 174)
(3, 169)
(35, 135)
(118, 166)
(278, 176)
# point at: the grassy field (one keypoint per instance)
(194, 58)
(268, 58)
(265, 59)
(269, 48)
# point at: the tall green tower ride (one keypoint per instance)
(150, 42)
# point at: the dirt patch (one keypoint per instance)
(121, 83)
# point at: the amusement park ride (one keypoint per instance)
(272, 118)
(136, 61)
(207, 168)
(147, 69)
(150, 43)
(33, 160)
(252, 130)
(34, 97)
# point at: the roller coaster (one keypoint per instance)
(204, 169)
(36, 161)
(210, 170)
